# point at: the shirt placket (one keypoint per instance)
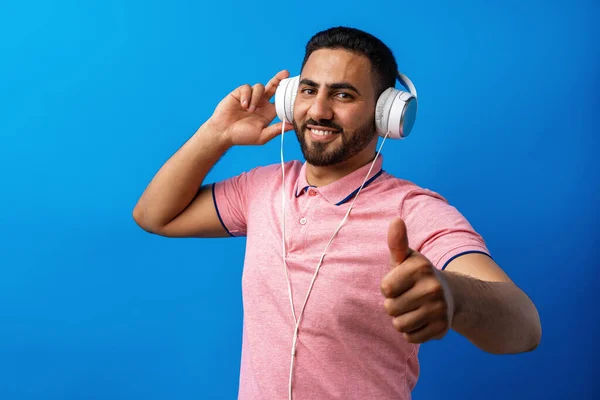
(307, 203)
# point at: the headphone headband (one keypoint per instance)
(407, 83)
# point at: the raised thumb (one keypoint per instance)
(398, 241)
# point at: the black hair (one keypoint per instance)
(384, 68)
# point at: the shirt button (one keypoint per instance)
(312, 192)
(303, 221)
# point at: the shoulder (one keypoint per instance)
(417, 204)
(437, 229)
(263, 177)
(405, 193)
(270, 171)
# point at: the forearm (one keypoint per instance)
(497, 317)
(177, 182)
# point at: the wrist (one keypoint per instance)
(454, 285)
(209, 131)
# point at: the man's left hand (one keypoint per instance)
(417, 294)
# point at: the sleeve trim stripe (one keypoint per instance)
(217, 209)
(462, 254)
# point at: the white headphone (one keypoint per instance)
(395, 112)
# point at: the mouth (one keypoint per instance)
(322, 134)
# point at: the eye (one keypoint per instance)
(344, 96)
(308, 91)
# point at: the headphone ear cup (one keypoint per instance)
(292, 92)
(285, 95)
(382, 110)
(395, 113)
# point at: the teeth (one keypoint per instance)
(321, 133)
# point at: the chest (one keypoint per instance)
(347, 286)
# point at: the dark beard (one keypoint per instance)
(318, 155)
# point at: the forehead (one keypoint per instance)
(326, 66)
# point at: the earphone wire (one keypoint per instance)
(283, 223)
(299, 319)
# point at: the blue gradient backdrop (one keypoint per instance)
(95, 96)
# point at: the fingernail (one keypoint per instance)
(244, 103)
(252, 108)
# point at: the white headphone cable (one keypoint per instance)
(283, 222)
(297, 321)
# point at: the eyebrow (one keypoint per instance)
(339, 85)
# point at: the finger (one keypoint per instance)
(243, 94)
(416, 273)
(408, 301)
(397, 281)
(432, 331)
(398, 241)
(271, 86)
(411, 321)
(257, 92)
(272, 131)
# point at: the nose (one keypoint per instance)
(320, 108)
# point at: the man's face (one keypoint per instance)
(335, 107)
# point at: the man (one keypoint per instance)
(404, 269)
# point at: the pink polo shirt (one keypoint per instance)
(347, 346)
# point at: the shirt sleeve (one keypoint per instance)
(231, 202)
(438, 230)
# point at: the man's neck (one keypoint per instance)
(322, 176)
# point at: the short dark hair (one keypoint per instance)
(384, 68)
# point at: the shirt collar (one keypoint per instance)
(344, 189)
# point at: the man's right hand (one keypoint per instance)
(243, 117)
(175, 204)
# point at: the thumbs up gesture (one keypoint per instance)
(416, 293)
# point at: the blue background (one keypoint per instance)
(95, 97)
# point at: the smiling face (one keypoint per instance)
(334, 109)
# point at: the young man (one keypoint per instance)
(404, 268)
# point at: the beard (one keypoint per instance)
(326, 154)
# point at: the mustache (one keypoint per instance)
(326, 123)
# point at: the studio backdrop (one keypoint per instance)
(96, 96)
